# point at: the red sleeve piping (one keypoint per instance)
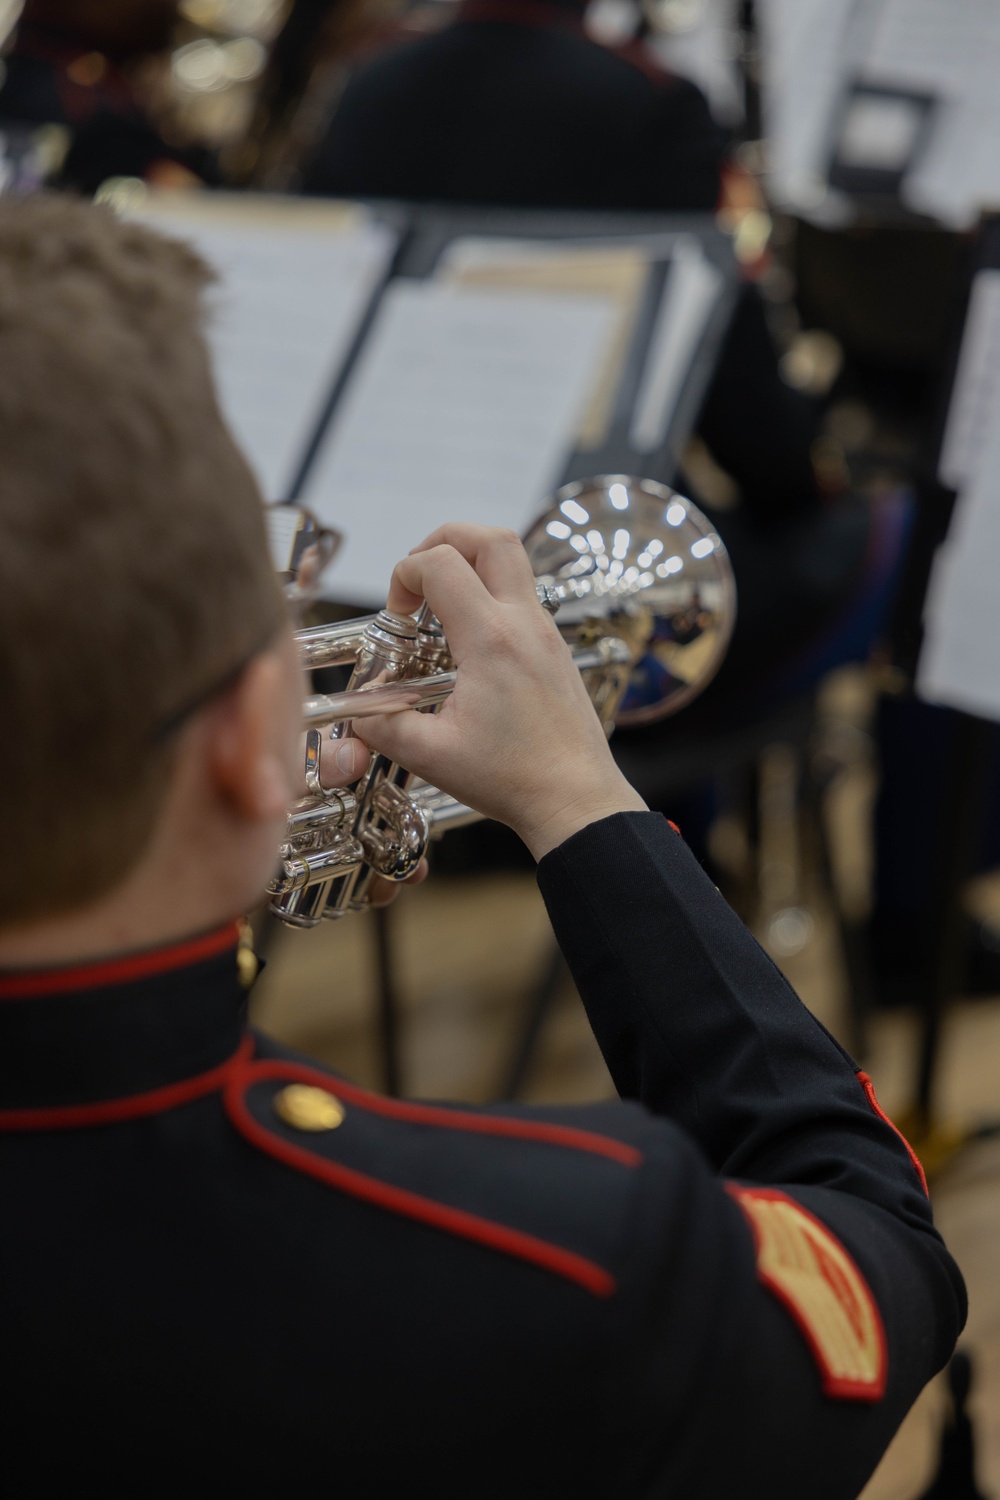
(870, 1095)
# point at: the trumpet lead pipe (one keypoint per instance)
(338, 644)
(332, 645)
(423, 692)
(442, 811)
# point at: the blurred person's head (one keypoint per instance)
(148, 684)
(120, 28)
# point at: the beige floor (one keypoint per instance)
(468, 951)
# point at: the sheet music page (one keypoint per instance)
(975, 399)
(960, 661)
(463, 406)
(615, 271)
(949, 48)
(705, 50)
(282, 523)
(693, 288)
(295, 282)
(809, 48)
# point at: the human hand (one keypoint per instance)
(518, 739)
(343, 762)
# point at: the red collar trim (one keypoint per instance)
(29, 984)
(131, 1106)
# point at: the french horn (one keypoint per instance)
(643, 594)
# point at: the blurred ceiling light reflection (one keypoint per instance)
(575, 512)
(674, 15)
(595, 573)
(618, 495)
(203, 66)
(10, 10)
(255, 18)
(675, 514)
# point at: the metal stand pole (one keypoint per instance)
(539, 1005)
(956, 842)
(388, 1002)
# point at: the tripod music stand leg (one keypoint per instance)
(536, 1013)
(956, 845)
(388, 1003)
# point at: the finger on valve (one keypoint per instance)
(382, 892)
(496, 554)
(342, 763)
(452, 589)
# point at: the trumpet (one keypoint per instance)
(643, 594)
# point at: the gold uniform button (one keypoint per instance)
(307, 1108)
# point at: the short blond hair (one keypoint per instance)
(134, 569)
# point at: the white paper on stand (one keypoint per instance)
(294, 286)
(950, 49)
(960, 661)
(975, 399)
(463, 406)
(809, 48)
(692, 291)
(706, 52)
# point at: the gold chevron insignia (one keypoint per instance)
(809, 1271)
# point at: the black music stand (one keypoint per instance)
(430, 230)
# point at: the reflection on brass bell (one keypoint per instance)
(307, 1108)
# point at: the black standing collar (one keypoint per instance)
(119, 1027)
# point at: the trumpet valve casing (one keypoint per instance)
(646, 601)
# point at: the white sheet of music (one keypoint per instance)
(294, 284)
(463, 406)
(692, 291)
(951, 49)
(705, 51)
(809, 48)
(960, 660)
(975, 399)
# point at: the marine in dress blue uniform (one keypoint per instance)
(227, 1269)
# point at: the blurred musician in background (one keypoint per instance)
(75, 64)
(512, 102)
(224, 1267)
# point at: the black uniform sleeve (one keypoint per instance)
(697, 1023)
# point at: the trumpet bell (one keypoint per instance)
(645, 563)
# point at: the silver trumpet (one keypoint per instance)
(645, 598)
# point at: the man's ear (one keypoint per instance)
(250, 732)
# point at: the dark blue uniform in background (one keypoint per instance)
(727, 1285)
